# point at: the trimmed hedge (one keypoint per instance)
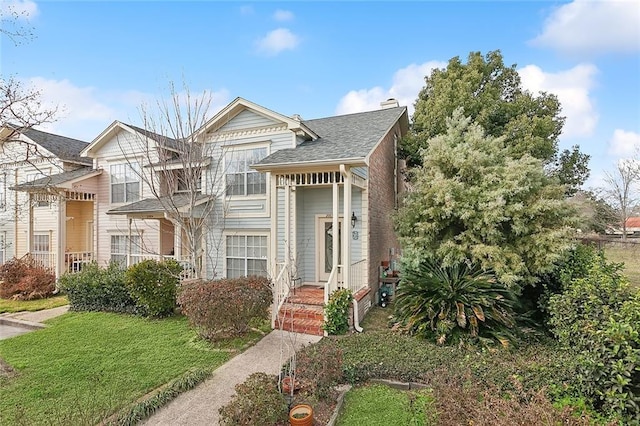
(225, 308)
(99, 289)
(153, 285)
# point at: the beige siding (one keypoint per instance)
(247, 120)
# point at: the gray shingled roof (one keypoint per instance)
(67, 149)
(162, 140)
(54, 181)
(157, 205)
(341, 137)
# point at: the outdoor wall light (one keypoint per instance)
(354, 219)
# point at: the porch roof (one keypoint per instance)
(343, 139)
(61, 180)
(179, 201)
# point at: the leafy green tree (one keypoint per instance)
(473, 201)
(492, 95)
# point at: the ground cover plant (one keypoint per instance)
(381, 405)
(32, 305)
(89, 365)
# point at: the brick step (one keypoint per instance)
(302, 312)
(299, 325)
(305, 319)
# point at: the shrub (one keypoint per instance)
(337, 312)
(98, 289)
(597, 318)
(153, 285)
(226, 307)
(25, 279)
(451, 303)
(257, 402)
(319, 367)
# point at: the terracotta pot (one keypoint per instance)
(286, 385)
(301, 415)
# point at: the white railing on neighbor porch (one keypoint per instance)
(188, 269)
(75, 260)
(45, 259)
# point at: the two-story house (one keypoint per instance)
(306, 202)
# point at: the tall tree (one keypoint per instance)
(622, 190)
(491, 94)
(473, 202)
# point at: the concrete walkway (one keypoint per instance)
(14, 324)
(200, 406)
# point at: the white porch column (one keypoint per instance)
(346, 232)
(273, 238)
(335, 226)
(129, 244)
(61, 232)
(29, 224)
(287, 224)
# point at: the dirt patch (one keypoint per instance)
(6, 371)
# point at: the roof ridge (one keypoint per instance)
(356, 113)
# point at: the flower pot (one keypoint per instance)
(301, 415)
(288, 384)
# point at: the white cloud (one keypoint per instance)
(624, 144)
(276, 41)
(20, 9)
(406, 84)
(573, 90)
(585, 26)
(84, 112)
(283, 15)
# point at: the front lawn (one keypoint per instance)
(629, 255)
(381, 405)
(86, 366)
(32, 305)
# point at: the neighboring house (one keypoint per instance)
(45, 206)
(307, 202)
(633, 225)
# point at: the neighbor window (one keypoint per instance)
(120, 247)
(241, 178)
(246, 255)
(189, 178)
(125, 182)
(40, 244)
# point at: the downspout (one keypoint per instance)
(15, 215)
(356, 320)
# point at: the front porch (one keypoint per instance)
(320, 222)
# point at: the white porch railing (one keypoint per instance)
(188, 270)
(74, 261)
(45, 259)
(357, 276)
(281, 287)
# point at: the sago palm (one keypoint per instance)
(450, 302)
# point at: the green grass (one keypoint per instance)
(32, 305)
(381, 405)
(86, 366)
(630, 256)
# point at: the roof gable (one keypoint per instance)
(350, 137)
(65, 148)
(117, 127)
(241, 109)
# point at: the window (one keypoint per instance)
(125, 182)
(40, 244)
(241, 179)
(3, 192)
(186, 178)
(120, 247)
(246, 255)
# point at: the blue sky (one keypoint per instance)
(101, 60)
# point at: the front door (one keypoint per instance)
(324, 258)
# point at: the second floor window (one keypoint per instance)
(125, 182)
(241, 178)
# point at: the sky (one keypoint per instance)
(100, 61)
